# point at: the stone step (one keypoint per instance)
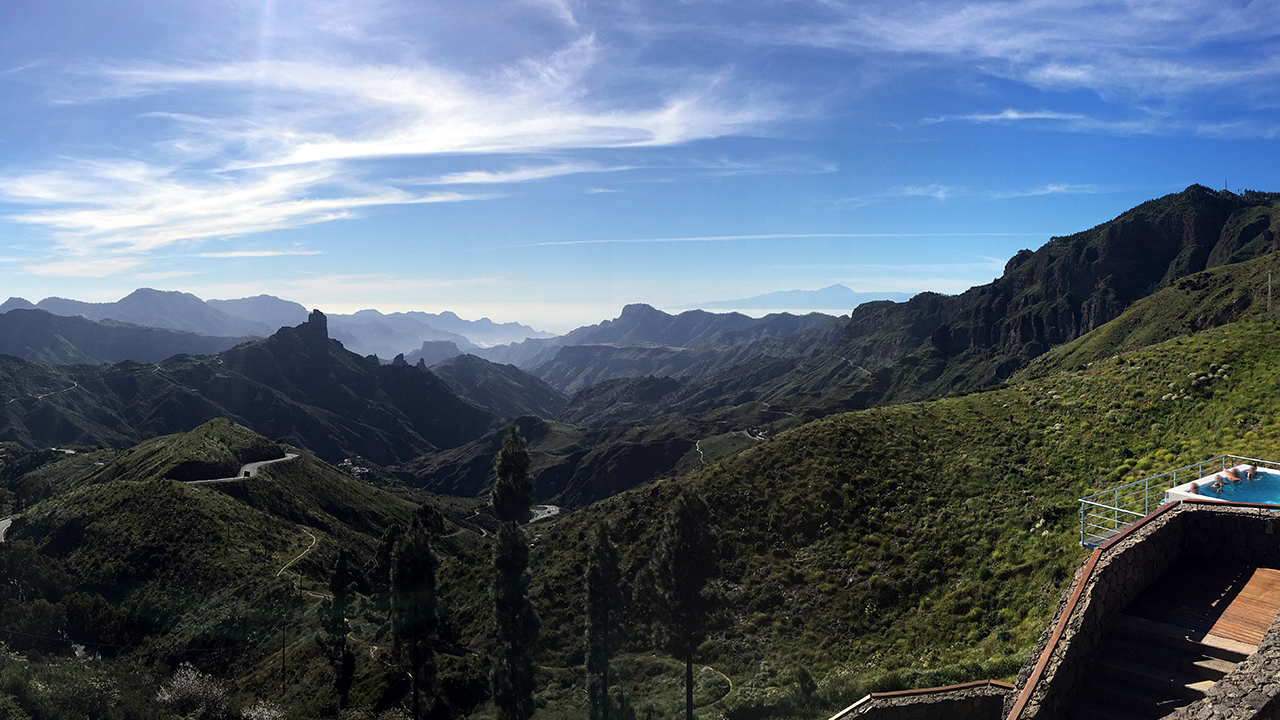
(1147, 679)
(1090, 707)
(1173, 636)
(1187, 661)
(1121, 696)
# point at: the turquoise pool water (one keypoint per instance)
(1265, 489)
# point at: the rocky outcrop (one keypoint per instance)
(934, 344)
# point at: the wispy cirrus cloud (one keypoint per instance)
(364, 111)
(937, 191)
(1145, 123)
(1049, 189)
(233, 165)
(771, 236)
(516, 175)
(258, 253)
(132, 208)
(1150, 49)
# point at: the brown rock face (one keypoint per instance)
(1055, 294)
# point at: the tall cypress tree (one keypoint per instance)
(413, 602)
(605, 605)
(332, 636)
(682, 564)
(516, 622)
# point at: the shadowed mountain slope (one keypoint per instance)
(504, 390)
(171, 310)
(935, 344)
(641, 326)
(298, 386)
(44, 337)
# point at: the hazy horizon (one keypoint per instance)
(550, 161)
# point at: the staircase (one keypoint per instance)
(1146, 669)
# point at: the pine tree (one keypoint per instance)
(332, 636)
(512, 493)
(516, 622)
(413, 608)
(684, 561)
(605, 605)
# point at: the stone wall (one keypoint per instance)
(1126, 568)
(1123, 570)
(983, 700)
(1249, 535)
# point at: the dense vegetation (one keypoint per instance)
(913, 544)
(904, 545)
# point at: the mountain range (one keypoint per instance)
(298, 386)
(923, 538)
(827, 298)
(367, 332)
(911, 544)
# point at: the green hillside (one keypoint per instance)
(927, 542)
(915, 544)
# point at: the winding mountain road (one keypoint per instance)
(542, 512)
(4, 526)
(246, 471)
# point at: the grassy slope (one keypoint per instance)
(197, 568)
(1196, 302)
(908, 545)
(875, 546)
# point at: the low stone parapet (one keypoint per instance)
(980, 700)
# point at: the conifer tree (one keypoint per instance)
(332, 636)
(413, 603)
(516, 622)
(684, 561)
(605, 605)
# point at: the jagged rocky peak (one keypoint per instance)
(318, 323)
(16, 303)
(399, 361)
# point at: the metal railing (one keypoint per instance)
(1104, 514)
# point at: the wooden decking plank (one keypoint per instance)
(1223, 599)
(1250, 613)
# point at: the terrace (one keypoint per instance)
(1105, 514)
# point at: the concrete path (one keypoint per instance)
(246, 471)
(542, 512)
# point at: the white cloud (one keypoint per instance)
(771, 236)
(133, 207)
(1182, 52)
(85, 268)
(239, 165)
(362, 111)
(1049, 189)
(164, 275)
(936, 191)
(559, 9)
(1009, 115)
(257, 253)
(517, 175)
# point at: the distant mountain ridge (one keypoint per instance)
(645, 341)
(935, 344)
(367, 332)
(45, 337)
(827, 298)
(298, 386)
(171, 310)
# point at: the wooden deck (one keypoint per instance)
(1223, 599)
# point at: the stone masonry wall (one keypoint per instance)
(1252, 536)
(984, 702)
(1123, 571)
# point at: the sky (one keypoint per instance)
(549, 161)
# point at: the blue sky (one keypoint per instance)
(549, 161)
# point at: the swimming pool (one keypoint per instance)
(1264, 489)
